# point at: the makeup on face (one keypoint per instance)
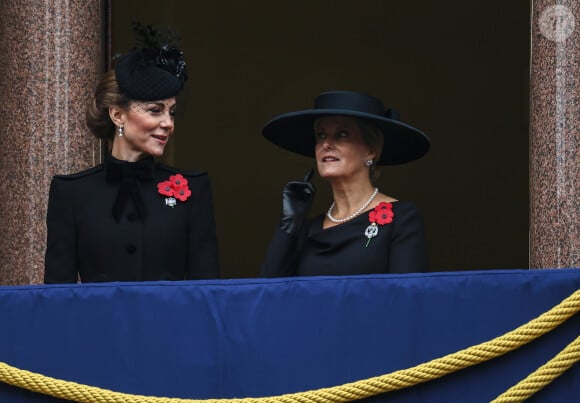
(340, 148)
(147, 126)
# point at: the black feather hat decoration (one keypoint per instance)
(155, 69)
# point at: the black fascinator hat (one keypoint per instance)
(155, 70)
(294, 131)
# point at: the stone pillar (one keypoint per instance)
(554, 134)
(51, 59)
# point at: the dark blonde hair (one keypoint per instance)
(375, 139)
(106, 95)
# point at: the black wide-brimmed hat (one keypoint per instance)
(152, 72)
(294, 131)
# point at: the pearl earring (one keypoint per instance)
(368, 163)
(120, 130)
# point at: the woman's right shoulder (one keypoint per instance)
(87, 173)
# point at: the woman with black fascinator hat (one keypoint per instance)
(132, 218)
(364, 230)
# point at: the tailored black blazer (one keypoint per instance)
(150, 239)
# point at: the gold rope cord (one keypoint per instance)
(543, 375)
(361, 389)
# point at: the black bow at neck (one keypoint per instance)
(129, 175)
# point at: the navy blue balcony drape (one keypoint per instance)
(265, 337)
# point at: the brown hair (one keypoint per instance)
(107, 94)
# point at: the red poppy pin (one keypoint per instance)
(175, 188)
(380, 215)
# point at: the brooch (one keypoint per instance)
(175, 189)
(381, 215)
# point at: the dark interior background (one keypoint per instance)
(457, 70)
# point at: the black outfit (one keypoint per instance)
(110, 223)
(399, 247)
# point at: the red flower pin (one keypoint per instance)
(175, 188)
(381, 215)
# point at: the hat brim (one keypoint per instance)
(294, 132)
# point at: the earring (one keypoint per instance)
(368, 163)
(120, 130)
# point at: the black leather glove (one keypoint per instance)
(297, 199)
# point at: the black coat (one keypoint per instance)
(398, 247)
(150, 240)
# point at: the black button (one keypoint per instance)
(130, 248)
(131, 217)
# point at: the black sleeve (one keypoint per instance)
(61, 263)
(409, 246)
(203, 251)
(281, 256)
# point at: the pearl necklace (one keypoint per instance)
(353, 215)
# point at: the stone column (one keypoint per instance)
(554, 134)
(51, 54)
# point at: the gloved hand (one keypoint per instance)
(297, 199)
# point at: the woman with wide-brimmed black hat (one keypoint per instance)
(364, 230)
(131, 218)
